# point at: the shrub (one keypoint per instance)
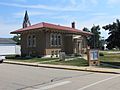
(10, 57)
(101, 54)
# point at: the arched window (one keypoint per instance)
(33, 41)
(55, 39)
(29, 41)
(52, 39)
(59, 39)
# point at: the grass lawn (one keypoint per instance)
(111, 58)
(34, 60)
(56, 61)
(108, 58)
(74, 62)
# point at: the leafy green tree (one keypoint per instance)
(87, 38)
(17, 39)
(114, 31)
(94, 41)
(102, 43)
(86, 29)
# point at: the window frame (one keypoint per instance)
(55, 39)
(31, 40)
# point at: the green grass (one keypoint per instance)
(74, 62)
(56, 61)
(33, 60)
(110, 58)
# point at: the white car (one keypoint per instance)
(2, 58)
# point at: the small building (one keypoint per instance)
(46, 39)
(9, 47)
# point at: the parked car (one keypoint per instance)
(2, 58)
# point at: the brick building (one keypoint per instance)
(46, 39)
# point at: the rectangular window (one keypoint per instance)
(55, 39)
(34, 41)
(52, 39)
(31, 41)
(55, 35)
(59, 40)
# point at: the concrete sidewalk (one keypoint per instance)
(88, 68)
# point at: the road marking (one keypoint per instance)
(54, 85)
(98, 82)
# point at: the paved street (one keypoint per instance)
(18, 77)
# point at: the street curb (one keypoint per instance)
(58, 67)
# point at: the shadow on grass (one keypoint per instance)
(112, 63)
(106, 64)
(74, 62)
(29, 59)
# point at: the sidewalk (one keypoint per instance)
(88, 68)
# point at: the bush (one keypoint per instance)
(10, 57)
(77, 55)
(101, 54)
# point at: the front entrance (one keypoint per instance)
(78, 46)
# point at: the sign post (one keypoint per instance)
(62, 56)
(92, 56)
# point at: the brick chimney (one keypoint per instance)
(73, 24)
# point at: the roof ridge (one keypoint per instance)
(57, 25)
(50, 25)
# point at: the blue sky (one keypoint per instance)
(85, 13)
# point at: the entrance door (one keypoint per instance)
(77, 46)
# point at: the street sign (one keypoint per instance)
(94, 54)
(93, 57)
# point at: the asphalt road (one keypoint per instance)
(18, 77)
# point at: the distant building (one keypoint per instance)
(9, 47)
(46, 39)
(105, 46)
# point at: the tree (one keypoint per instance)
(114, 31)
(94, 41)
(17, 39)
(87, 38)
(86, 29)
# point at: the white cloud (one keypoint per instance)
(98, 14)
(5, 29)
(72, 5)
(99, 20)
(19, 0)
(94, 1)
(39, 6)
(89, 2)
(73, 2)
(111, 2)
(31, 13)
(79, 7)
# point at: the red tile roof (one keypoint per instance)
(52, 26)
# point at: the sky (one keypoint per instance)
(85, 13)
